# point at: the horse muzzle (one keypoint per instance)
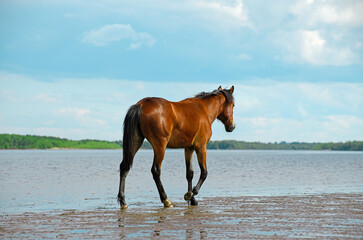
(230, 128)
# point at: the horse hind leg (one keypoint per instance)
(125, 168)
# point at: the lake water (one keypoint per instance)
(46, 180)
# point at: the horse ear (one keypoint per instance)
(232, 89)
(220, 88)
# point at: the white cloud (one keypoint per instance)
(339, 97)
(302, 111)
(6, 95)
(246, 102)
(48, 97)
(262, 122)
(343, 123)
(217, 16)
(116, 98)
(266, 110)
(244, 57)
(118, 32)
(78, 113)
(226, 13)
(310, 47)
(219, 13)
(330, 128)
(346, 13)
(320, 32)
(82, 115)
(134, 45)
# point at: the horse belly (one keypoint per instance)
(179, 139)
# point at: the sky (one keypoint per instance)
(72, 68)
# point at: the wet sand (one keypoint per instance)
(334, 216)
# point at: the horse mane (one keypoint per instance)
(228, 95)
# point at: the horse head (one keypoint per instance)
(226, 115)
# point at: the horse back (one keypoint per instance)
(175, 124)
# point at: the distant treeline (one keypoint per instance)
(341, 146)
(13, 141)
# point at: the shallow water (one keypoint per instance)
(325, 216)
(47, 180)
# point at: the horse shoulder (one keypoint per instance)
(192, 118)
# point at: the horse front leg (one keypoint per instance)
(202, 160)
(189, 196)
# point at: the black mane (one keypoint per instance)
(228, 95)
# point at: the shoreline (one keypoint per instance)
(45, 149)
(33, 141)
(143, 149)
(325, 216)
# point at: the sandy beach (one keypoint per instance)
(334, 216)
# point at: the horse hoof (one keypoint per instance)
(193, 202)
(124, 206)
(188, 196)
(167, 203)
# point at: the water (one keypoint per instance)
(46, 180)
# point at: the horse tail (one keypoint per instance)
(131, 127)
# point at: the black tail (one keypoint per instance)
(131, 127)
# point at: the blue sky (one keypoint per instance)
(72, 68)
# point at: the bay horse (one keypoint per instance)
(185, 124)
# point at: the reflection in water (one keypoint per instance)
(122, 235)
(156, 233)
(121, 222)
(195, 215)
(161, 222)
(189, 234)
(192, 233)
(160, 218)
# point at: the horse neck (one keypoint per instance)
(214, 106)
